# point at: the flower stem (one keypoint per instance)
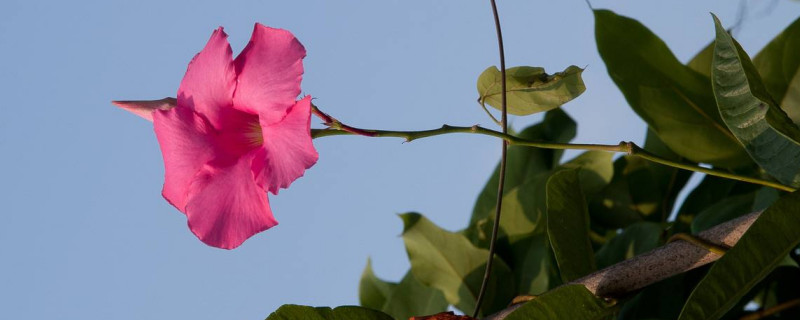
(338, 129)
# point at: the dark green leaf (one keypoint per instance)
(779, 66)
(636, 239)
(710, 191)
(411, 298)
(640, 189)
(724, 210)
(294, 312)
(676, 101)
(372, 292)
(568, 225)
(769, 136)
(763, 247)
(569, 302)
(662, 300)
(534, 265)
(449, 262)
(764, 198)
(530, 89)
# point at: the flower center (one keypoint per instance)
(253, 135)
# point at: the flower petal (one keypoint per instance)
(210, 79)
(269, 71)
(289, 151)
(226, 206)
(186, 141)
(146, 108)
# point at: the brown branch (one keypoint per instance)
(661, 263)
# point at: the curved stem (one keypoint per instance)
(502, 174)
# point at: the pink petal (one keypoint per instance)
(269, 70)
(226, 206)
(210, 79)
(146, 108)
(289, 150)
(186, 141)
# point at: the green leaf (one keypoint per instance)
(724, 210)
(791, 101)
(530, 89)
(412, 298)
(764, 198)
(676, 101)
(710, 191)
(524, 205)
(662, 300)
(702, 60)
(523, 236)
(568, 225)
(769, 136)
(779, 66)
(763, 247)
(533, 264)
(294, 312)
(636, 239)
(372, 292)
(640, 189)
(449, 262)
(568, 302)
(523, 164)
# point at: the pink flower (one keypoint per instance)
(235, 131)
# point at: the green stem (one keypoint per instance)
(337, 128)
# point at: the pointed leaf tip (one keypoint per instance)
(770, 137)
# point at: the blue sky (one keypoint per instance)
(85, 233)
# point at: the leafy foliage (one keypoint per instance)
(564, 219)
(676, 101)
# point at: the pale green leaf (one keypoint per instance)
(530, 89)
(372, 291)
(412, 298)
(702, 60)
(449, 262)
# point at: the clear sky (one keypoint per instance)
(85, 233)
